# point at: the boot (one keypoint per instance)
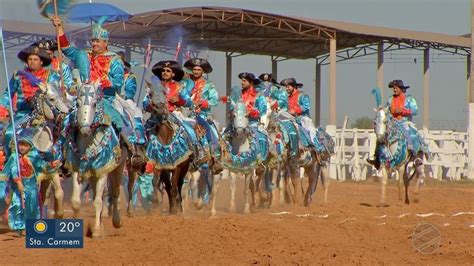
(375, 162)
(137, 160)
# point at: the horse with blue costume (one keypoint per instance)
(314, 147)
(245, 142)
(172, 144)
(107, 69)
(393, 149)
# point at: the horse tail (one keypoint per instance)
(378, 96)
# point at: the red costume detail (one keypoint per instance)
(397, 107)
(173, 92)
(63, 41)
(100, 66)
(293, 104)
(249, 96)
(26, 169)
(28, 90)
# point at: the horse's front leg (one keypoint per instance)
(132, 179)
(58, 196)
(44, 187)
(247, 188)
(406, 183)
(383, 184)
(114, 192)
(194, 189)
(312, 172)
(215, 188)
(99, 188)
(324, 176)
(76, 194)
(232, 187)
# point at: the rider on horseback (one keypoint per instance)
(107, 68)
(50, 46)
(278, 97)
(299, 106)
(171, 75)
(402, 107)
(256, 106)
(202, 98)
(24, 85)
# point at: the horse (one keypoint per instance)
(391, 138)
(240, 155)
(292, 148)
(48, 112)
(168, 149)
(95, 153)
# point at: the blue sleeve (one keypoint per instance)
(411, 104)
(281, 96)
(211, 95)
(116, 73)
(261, 105)
(130, 87)
(146, 102)
(186, 91)
(304, 103)
(80, 59)
(67, 76)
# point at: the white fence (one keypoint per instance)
(353, 146)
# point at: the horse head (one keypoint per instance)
(239, 118)
(50, 102)
(87, 99)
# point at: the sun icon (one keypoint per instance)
(40, 227)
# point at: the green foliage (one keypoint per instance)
(363, 123)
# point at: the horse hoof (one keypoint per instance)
(407, 201)
(96, 235)
(306, 203)
(382, 205)
(59, 215)
(117, 221)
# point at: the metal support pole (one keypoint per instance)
(426, 89)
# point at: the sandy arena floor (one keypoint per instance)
(347, 230)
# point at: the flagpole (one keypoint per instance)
(60, 56)
(148, 56)
(11, 103)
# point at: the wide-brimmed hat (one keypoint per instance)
(203, 63)
(291, 81)
(34, 50)
(124, 60)
(267, 77)
(51, 45)
(178, 72)
(397, 83)
(250, 77)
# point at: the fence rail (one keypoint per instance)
(449, 152)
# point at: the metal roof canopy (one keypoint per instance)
(253, 32)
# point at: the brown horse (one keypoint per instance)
(167, 136)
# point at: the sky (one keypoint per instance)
(355, 77)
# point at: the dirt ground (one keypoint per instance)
(348, 230)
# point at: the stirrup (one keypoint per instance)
(137, 160)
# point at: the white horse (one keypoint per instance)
(49, 110)
(95, 154)
(240, 155)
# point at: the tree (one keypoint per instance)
(363, 123)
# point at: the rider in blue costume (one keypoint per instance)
(202, 97)
(402, 107)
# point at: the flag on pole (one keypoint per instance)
(178, 48)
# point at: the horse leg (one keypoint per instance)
(313, 172)
(98, 204)
(273, 195)
(132, 179)
(165, 178)
(248, 181)
(76, 194)
(420, 175)
(194, 188)
(324, 175)
(181, 172)
(287, 186)
(215, 188)
(58, 196)
(44, 186)
(296, 181)
(232, 177)
(383, 188)
(406, 182)
(114, 192)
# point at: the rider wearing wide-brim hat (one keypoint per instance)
(202, 97)
(51, 46)
(402, 108)
(176, 70)
(275, 94)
